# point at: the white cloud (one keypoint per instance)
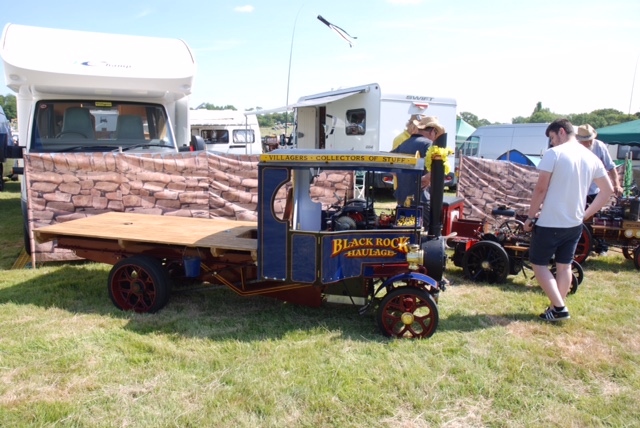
(244, 9)
(145, 12)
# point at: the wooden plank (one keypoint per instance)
(217, 234)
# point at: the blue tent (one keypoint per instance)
(516, 156)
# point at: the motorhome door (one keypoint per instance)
(306, 128)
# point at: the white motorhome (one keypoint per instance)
(92, 92)
(364, 118)
(227, 131)
(492, 141)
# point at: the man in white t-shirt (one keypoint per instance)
(558, 210)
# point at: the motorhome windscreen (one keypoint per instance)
(98, 126)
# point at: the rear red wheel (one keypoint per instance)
(577, 275)
(408, 312)
(584, 245)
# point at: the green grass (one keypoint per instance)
(68, 358)
(11, 236)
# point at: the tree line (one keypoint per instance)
(597, 118)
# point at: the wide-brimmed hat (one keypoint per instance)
(430, 122)
(586, 133)
(413, 118)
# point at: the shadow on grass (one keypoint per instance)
(519, 283)
(208, 312)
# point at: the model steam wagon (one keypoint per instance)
(307, 255)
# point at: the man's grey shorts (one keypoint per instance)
(547, 241)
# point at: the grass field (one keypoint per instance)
(68, 358)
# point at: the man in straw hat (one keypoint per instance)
(558, 210)
(587, 137)
(409, 130)
(426, 131)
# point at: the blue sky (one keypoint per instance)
(496, 58)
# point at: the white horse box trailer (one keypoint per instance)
(227, 131)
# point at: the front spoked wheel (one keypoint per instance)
(408, 312)
(140, 284)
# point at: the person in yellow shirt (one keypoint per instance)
(409, 130)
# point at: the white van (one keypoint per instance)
(227, 131)
(364, 118)
(91, 92)
(492, 141)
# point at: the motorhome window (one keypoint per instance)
(99, 126)
(633, 151)
(215, 136)
(243, 136)
(356, 122)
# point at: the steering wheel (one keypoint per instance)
(72, 132)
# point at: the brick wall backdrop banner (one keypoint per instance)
(67, 186)
(486, 184)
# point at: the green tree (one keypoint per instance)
(209, 106)
(473, 120)
(543, 116)
(597, 118)
(9, 105)
(539, 115)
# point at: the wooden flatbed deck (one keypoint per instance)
(219, 235)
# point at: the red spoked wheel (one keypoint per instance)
(408, 312)
(584, 245)
(636, 257)
(139, 284)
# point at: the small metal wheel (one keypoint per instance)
(584, 245)
(577, 275)
(435, 258)
(486, 261)
(139, 284)
(408, 312)
(515, 227)
(636, 257)
(627, 253)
